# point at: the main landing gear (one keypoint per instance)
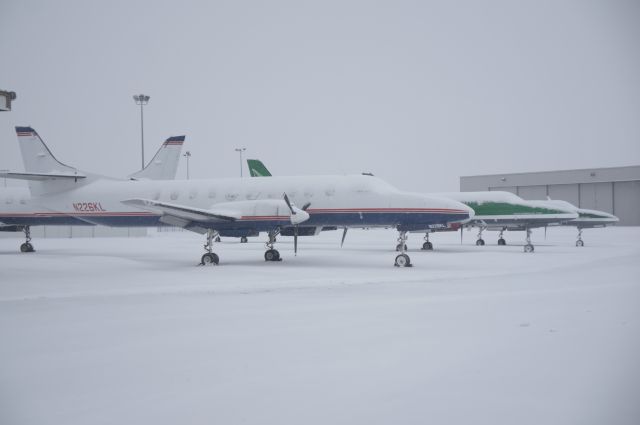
(529, 246)
(244, 239)
(403, 259)
(480, 241)
(579, 242)
(210, 257)
(272, 254)
(27, 247)
(501, 240)
(427, 246)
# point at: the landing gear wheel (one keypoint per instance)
(217, 239)
(501, 241)
(243, 239)
(26, 247)
(480, 242)
(427, 246)
(528, 248)
(272, 255)
(403, 260)
(209, 258)
(399, 247)
(579, 243)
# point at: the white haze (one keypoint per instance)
(416, 92)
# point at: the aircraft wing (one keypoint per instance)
(184, 212)
(225, 213)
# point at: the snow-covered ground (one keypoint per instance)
(131, 331)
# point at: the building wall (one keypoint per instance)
(615, 190)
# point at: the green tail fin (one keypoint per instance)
(257, 168)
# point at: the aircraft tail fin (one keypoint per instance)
(164, 164)
(257, 168)
(43, 171)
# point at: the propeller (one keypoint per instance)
(461, 233)
(304, 216)
(344, 235)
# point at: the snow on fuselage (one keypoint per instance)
(345, 201)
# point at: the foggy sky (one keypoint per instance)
(417, 92)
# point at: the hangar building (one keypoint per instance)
(614, 190)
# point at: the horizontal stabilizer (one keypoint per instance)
(41, 176)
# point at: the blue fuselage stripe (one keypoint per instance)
(407, 221)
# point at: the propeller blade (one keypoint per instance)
(344, 235)
(286, 199)
(305, 206)
(461, 233)
(295, 241)
(545, 233)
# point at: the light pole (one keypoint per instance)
(187, 155)
(240, 150)
(141, 99)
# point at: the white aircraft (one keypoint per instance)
(493, 210)
(230, 206)
(587, 219)
(16, 204)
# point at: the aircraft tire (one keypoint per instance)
(243, 239)
(528, 248)
(480, 242)
(579, 243)
(403, 260)
(427, 246)
(26, 247)
(502, 242)
(209, 258)
(272, 255)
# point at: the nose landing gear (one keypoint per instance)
(480, 241)
(26, 246)
(427, 246)
(579, 242)
(403, 259)
(529, 246)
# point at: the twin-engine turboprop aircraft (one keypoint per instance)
(587, 219)
(16, 204)
(231, 206)
(493, 210)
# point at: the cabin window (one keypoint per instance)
(212, 193)
(9, 200)
(23, 201)
(271, 196)
(231, 196)
(308, 194)
(156, 196)
(252, 195)
(330, 191)
(193, 194)
(174, 195)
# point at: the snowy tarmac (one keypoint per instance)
(131, 331)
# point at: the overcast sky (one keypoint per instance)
(417, 92)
